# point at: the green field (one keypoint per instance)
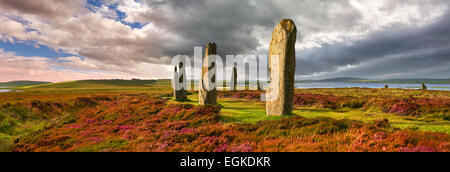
(21, 83)
(93, 84)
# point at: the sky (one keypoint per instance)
(55, 40)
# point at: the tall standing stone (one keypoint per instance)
(258, 84)
(234, 79)
(174, 81)
(282, 69)
(207, 93)
(180, 82)
(424, 87)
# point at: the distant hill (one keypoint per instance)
(341, 79)
(96, 84)
(364, 80)
(418, 80)
(21, 83)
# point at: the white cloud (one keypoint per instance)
(13, 67)
(173, 27)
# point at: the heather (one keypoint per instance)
(141, 123)
(428, 107)
(125, 118)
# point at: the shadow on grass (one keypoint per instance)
(240, 108)
(250, 117)
(289, 115)
(233, 100)
(183, 101)
(313, 110)
(322, 110)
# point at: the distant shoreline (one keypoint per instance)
(411, 86)
(386, 82)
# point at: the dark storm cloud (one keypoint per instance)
(228, 23)
(396, 51)
(232, 23)
(435, 63)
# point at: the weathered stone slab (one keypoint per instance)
(180, 82)
(234, 79)
(207, 93)
(424, 87)
(282, 69)
(258, 85)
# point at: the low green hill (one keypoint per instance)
(21, 83)
(343, 79)
(86, 84)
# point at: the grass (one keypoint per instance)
(396, 121)
(245, 111)
(113, 115)
(241, 111)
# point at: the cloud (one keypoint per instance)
(238, 27)
(335, 36)
(47, 8)
(400, 50)
(13, 67)
(90, 34)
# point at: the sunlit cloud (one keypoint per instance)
(136, 39)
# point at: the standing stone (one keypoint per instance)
(207, 95)
(424, 87)
(386, 86)
(258, 85)
(180, 93)
(174, 81)
(282, 69)
(234, 79)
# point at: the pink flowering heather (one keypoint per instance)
(417, 149)
(243, 148)
(222, 147)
